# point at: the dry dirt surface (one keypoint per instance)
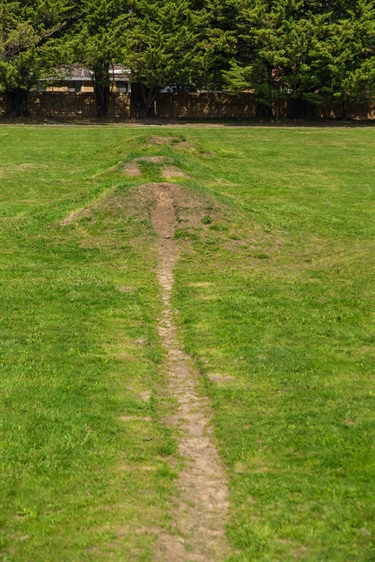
(132, 168)
(173, 172)
(200, 509)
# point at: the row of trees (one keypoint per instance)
(310, 51)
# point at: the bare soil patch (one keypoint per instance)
(76, 216)
(170, 140)
(173, 172)
(160, 141)
(133, 169)
(167, 140)
(218, 377)
(155, 159)
(199, 513)
(183, 145)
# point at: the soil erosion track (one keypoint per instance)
(200, 510)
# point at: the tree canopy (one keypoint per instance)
(94, 43)
(27, 32)
(158, 39)
(307, 51)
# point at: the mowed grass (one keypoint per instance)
(84, 471)
(274, 299)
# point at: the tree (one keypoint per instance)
(344, 62)
(305, 51)
(158, 39)
(94, 44)
(260, 54)
(27, 33)
(217, 40)
(337, 62)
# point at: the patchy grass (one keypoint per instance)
(276, 305)
(85, 459)
(274, 300)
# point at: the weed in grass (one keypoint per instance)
(206, 219)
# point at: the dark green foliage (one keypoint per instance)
(310, 52)
(27, 34)
(95, 44)
(158, 46)
(307, 52)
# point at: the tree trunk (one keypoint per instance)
(102, 86)
(143, 99)
(263, 111)
(301, 109)
(17, 102)
(342, 112)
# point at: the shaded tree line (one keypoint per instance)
(309, 51)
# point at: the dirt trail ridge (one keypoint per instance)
(199, 513)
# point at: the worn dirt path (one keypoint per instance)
(199, 513)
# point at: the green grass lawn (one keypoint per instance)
(274, 295)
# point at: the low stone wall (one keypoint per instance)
(194, 106)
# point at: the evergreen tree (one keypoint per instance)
(95, 44)
(27, 33)
(217, 40)
(344, 60)
(306, 51)
(260, 53)
(336, 63)
(158, 40)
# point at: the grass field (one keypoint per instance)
(274, 300)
